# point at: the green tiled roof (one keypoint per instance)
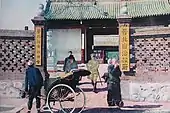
(76, 11)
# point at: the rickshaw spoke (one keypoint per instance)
(64, 95)
(64, 92)
(78, 94)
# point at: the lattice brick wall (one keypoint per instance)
(153, 53)
(14, 53)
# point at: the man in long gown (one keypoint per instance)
(113, 83)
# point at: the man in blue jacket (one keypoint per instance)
(33, 84)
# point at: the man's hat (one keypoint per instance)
(92, 54)
(30, 63)
(71, 57)
(70, 52)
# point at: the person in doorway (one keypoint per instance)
(113, 84)
(93, 66)
(33, 84)
(65, 60)
(71, 64)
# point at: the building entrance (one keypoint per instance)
(103, 54)
(103, 42)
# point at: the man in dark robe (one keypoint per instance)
(113, 83)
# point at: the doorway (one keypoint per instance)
(106, 50)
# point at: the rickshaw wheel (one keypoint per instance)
(80, 100)
(61, 99)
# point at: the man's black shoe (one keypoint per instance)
(38, 111)
(111, 104)
(95, 91)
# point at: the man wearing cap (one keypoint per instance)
(33, 84)
(93, 66)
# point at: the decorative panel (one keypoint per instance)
(153, 53)
(14, 53)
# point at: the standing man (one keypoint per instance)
(34, 80)
(113, 84)
(93, 66)
(66, 59)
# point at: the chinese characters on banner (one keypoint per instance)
(38, 33)
(124, 47)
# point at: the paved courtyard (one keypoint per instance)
(96, 102)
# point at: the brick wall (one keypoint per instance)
(16, 48)
(151, 53)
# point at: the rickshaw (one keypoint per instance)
(64, 95)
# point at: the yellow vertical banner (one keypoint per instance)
(38, 44)
(124, 47)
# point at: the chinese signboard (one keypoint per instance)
(124, 47)
(106, 40)
(38, 33)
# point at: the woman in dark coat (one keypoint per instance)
(113, 83)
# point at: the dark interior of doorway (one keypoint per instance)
(106, 50)
(97, 31)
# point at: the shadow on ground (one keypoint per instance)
(105, 110)
(111, 110)
(143, 106)
(133, 109)
(91, 89)
(117, 110)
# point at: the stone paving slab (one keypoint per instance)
(14, 104)
(6, 108)
(96, 102)
(111, 110)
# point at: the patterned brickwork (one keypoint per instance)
(152, 54)
(149, 54)
(14, 53)
(13, 56)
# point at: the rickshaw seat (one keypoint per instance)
(64, 75)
